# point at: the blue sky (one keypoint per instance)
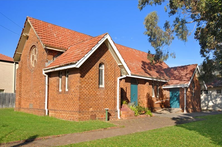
(120, 18)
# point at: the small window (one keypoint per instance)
(101, 75)
(158, 90)
(218, 91)
(2, 90)
(153, 92)
(60, 81)
(205, 91)
(67, 80)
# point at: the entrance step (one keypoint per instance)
(169, 110)
(126, 112)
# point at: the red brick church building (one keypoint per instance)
(69, 75)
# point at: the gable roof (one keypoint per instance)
(55, 36)
(180, 76)
(50, 35)
(78, 47)
(139, 64)
(5, 58)
(76, 52)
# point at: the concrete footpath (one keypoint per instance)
(130, 126)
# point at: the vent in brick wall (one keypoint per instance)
(93, 117)
(30, 105)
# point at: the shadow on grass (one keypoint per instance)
(27, 141)
(208, 126)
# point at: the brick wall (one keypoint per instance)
(64, 104)
(194, 101)
(30, 90)
(145, 97)
(94, 99)
(84, 99)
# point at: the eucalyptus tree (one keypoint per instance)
(206, 17)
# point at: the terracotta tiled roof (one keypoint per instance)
(139, 64)
(217, 82)
(78, 45)
(76, 52)
(56, 36)
(180, 74)
(6, 58)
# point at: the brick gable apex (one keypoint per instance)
(84, 50)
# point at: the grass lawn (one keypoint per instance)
(206, 133)
(20, 126)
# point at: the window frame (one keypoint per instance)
(158, 90)
(101, 75)
(60, 81)
(67, 80)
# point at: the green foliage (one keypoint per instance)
(15, 126)
(124, 102)
(206, 15)
(206, 133)
(138, 110)
(148, 112)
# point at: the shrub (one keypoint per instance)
(124, 102)
(136, 112)
(148, 112)
(141, 109)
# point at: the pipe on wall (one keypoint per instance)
(117, 105)
(46, 93)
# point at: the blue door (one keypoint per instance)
(174, 98)
(134, 91)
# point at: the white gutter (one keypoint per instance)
(192, 76)
(60, 68)
(146, 78)
(175, 86)
(185, 101)
(117, 97)
(46, 93)
(118, 54)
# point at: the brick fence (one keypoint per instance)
(7, 100)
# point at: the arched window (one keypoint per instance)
(101, 75)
